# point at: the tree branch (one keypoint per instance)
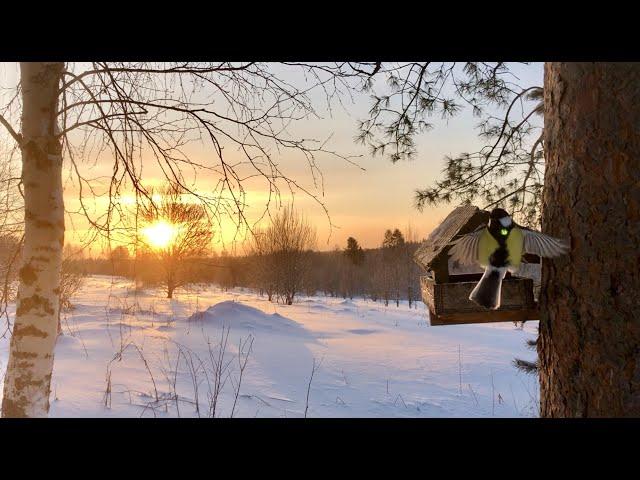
(16, 136)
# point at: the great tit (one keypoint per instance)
(498, 248)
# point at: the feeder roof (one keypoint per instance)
(460, 221)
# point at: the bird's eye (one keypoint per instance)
(504, 232)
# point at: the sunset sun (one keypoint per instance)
(160, 234)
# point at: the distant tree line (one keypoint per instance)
(387, 273)
(282, 263)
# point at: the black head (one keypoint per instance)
(500, 223)
(498, 213)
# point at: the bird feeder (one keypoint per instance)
(446, 286)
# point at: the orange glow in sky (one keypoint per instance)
(160, 234)
(361, 201)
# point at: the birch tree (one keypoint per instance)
(28, 376)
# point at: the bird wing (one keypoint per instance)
(543, 245)
(465, 249)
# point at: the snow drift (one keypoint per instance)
(238, 315)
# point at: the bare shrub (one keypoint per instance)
(219, 368)
(244, 350)
(11, 230)
(216, 372)
(71, 280)
(9, 262)
(283, 252)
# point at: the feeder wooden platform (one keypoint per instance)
(446, 286)
(449, 303)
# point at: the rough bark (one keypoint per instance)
(589, 346)
(28, 376)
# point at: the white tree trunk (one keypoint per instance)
(28, 378)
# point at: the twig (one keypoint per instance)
(460, 368)
(473, 393)
(243, 358)
(402, 399)
(493, 396)
(313, 371)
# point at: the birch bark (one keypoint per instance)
(28, 377)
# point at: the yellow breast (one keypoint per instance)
(487, 245)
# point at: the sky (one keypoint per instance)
(361, 202)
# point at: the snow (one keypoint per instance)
(241, 316)
(371, 360)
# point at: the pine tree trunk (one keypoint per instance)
(28, 378)
(589, 346)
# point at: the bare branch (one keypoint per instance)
(16, 136)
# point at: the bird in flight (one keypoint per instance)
(498, 247)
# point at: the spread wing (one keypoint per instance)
(465, 249)
(543, 245)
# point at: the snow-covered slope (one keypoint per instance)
(143, 355)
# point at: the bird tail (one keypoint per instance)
(487, 292)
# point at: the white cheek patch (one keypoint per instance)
(505, 221)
